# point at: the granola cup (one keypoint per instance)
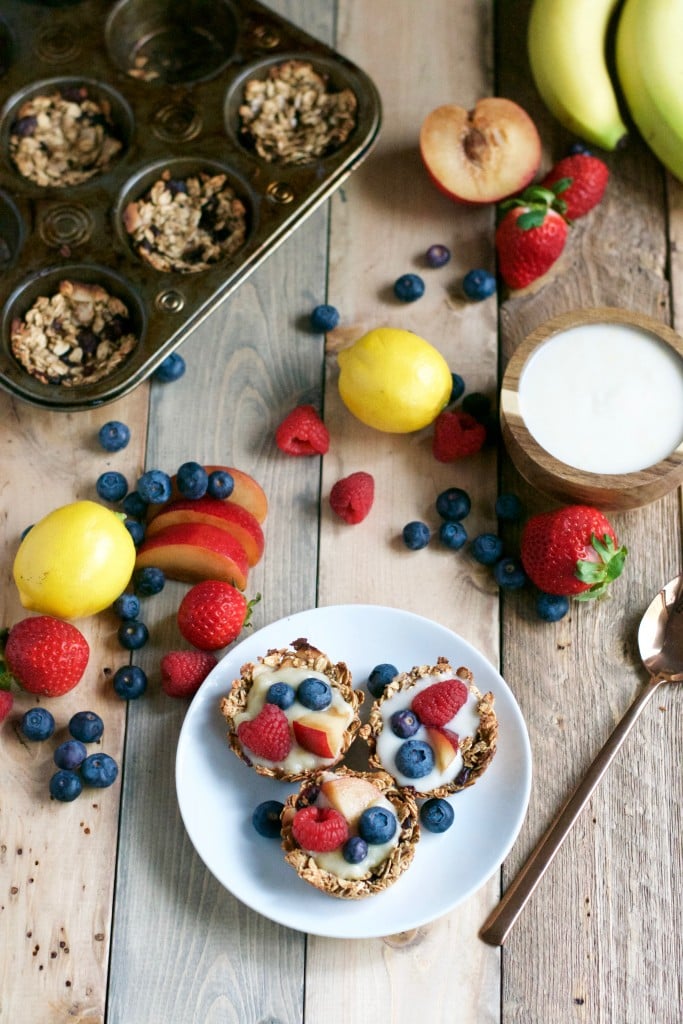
(374, 879)
(475, 749)
(335, 726)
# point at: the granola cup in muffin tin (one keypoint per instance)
(434, 743)
(292, 712)
(96, 97)
(351, 869)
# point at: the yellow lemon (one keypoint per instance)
(393, 380)
(75, 561)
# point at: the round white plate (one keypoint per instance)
(217, 792)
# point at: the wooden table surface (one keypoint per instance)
(106, 911)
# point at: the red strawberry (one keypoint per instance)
(530, 236)
(580, 181)
(302, 432)
(438, 703)
(212, 614)
(6, 702)
(352, 496)
(571, 551)
(267, 735)
(319, 829)
(456, 434)
(183, 672)
(46, 656)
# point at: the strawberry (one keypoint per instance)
(267, 735)
(45, 655)
(352, 496)
(183, 672)
(302, 432)
(6, 702)
(456, 434)
(571, 551)
(438, 703)
(319, 829)
(580, 181)
(212, 614)
(530, 236)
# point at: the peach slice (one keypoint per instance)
(350, 796)
(444, 743)
(195, 551)
(320, 733)
(226, 515)
(246, 492)
(481, 155)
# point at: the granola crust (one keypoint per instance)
(386, 873)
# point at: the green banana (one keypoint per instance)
(566, 41)
(649, 57)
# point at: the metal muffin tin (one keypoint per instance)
(186, 119)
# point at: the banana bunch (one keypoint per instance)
(567, 44)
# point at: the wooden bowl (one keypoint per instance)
(591, 408)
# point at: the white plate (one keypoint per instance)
(217, 792)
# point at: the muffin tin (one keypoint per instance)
(173, 78)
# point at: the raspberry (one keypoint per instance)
(436, 705)
(183, 672)
(456, 434)
(352, 496)
(319, 829)
(302, 432)
(6, 702)
(267, 735)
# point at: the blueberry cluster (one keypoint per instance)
(315, 694)
(76, 768)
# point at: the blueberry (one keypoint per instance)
(509, 508)
(355, 850)
(453, 504)
(409, 287)
(266, 818)
(134, 505)
(436, 815)
(65, 786)
(551, 607)
(69, 754)
(149, 581)
(37, 724)
(404, 723)
(509, 574)
(437, 256)
(416, 535)
(86, 726)
(281, 694)
(578, 147)
(486, 548)
(377, 824)
(133, 634)
(380, 677)
(453, 535)
(220, 484)
(127, 606)
(170, 369)
(136, 531)
(154, 486)
(111, 486)
(99, 770)
(113, 436)
(130, 682)
(314, 693)
(477, 405)
(478, 285)
(324, 318)
(457, 388)
(414, 759)
(192, 480)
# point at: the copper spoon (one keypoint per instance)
(660, 642)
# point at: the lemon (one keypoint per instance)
(393, 380)
(75, 561)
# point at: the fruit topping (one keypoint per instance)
(266, 818)
(350, 795)
(404, 723)
(377, 825)
(444, 743)
(266, 735)
(314, 694)
(438, 703)
(302, 432)
(355, 850)
(352, 496)
(380, 677)
(183, 672)
(436, 815)
(319, 829)
(320, 734)
(415, 759)
(281, 694)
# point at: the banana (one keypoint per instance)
(649, 58)
(566, 42)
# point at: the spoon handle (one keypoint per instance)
(496, 927)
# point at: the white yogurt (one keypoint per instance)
(604, 398)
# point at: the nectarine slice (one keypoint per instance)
(321, 734)
(195, 551)
(226, 515)
(350, 796)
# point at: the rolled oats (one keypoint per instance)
(292, 116)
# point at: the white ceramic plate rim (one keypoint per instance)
(217, 792)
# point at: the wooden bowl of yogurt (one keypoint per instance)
(591, 408)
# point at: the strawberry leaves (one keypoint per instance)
(599, 574)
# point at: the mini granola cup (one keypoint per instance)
(356, 804)
(292, 712)
(432, 730)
